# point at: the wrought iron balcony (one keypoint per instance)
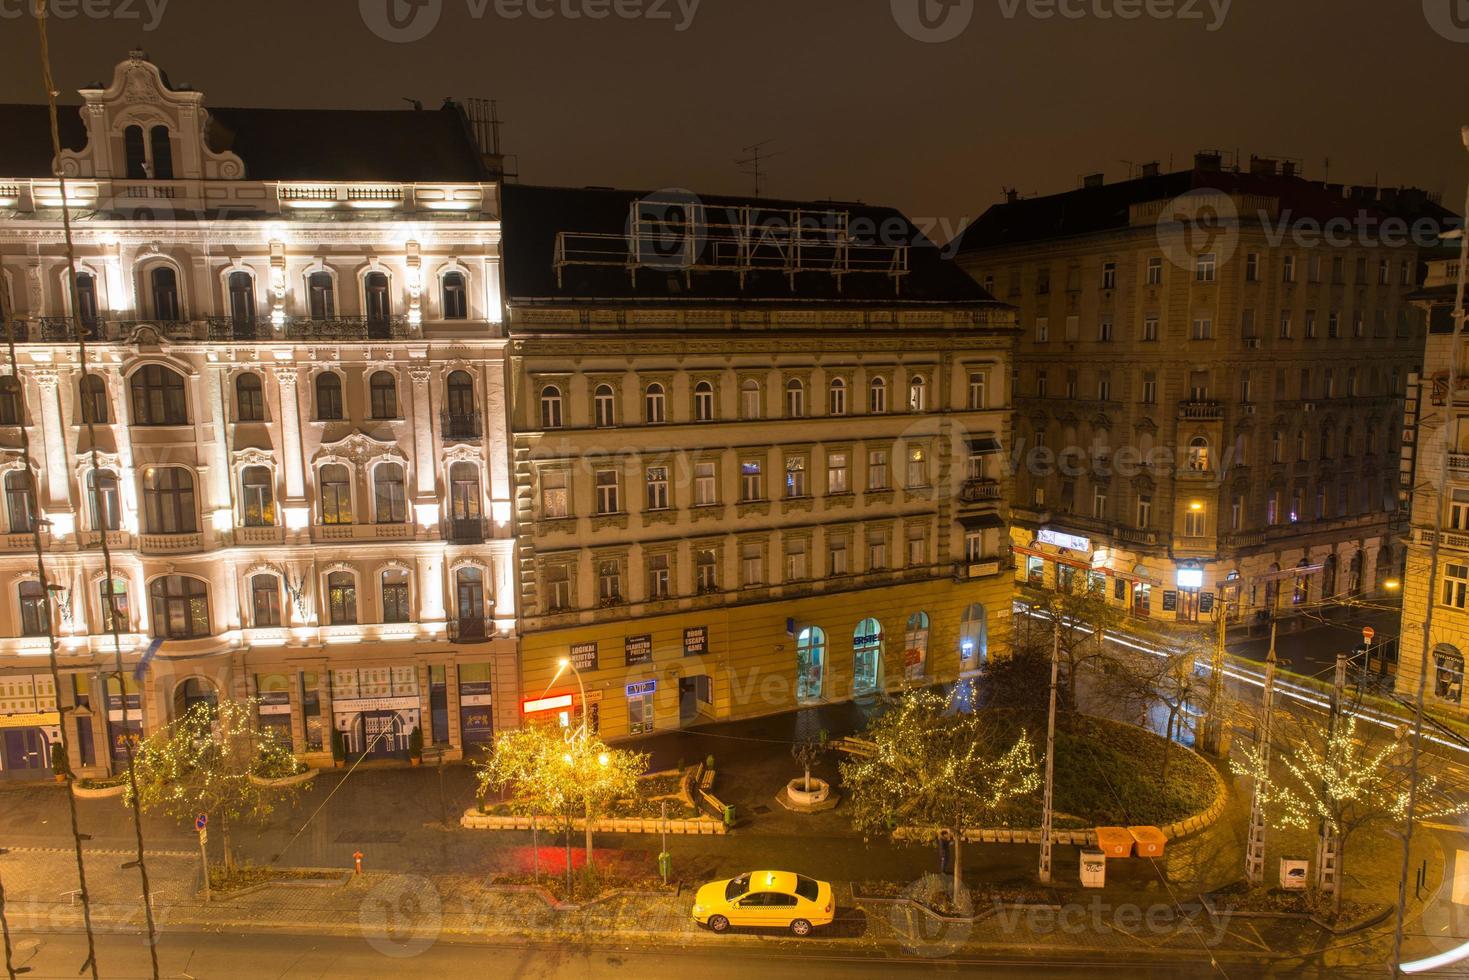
(1201, 411)
(460, 426)
(228, 328)
(347, 328)
(469, 629)
(979, 491)
(467, 530)
(58, 330)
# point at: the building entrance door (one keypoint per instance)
(24, 750)
(380, 731)
(688, 700)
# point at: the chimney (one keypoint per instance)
(1209, 161)
(1263, 166)
(1091, 181)
(1288, 168)
(1151, 169)
(1011, 195)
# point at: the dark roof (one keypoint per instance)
(285, 144)
(1093, 210)
(533, 216)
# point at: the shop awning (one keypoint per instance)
(981, 522)
(984, 446)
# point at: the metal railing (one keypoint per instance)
(979, 491)
(469, 629)
(347, 328)
(460, 427)
(466, 530)
(1201, 411)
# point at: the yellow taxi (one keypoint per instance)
(765, 898)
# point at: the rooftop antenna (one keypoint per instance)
(416, 103)
(751, 165)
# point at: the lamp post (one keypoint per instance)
(585, 736)
(562, 666)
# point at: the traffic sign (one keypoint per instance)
(201, 821)
(1368, 633)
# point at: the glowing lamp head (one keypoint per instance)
(603, 759)
(1196, 505)
(1392, 585)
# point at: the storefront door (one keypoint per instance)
(866, 657)
(23, 750)
(380, 731)
(1142, 598)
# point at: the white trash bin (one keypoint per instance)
(1093, 868)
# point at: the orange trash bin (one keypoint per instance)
(1150, 841)
(1115, 842)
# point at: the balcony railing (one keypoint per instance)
(1459, 462)
(979, 491)
(347, 328)
(59, 330)
(461, 427)
(168, 544)
(467, 530)
(228, 328)
(469, 629)
(1201, 411)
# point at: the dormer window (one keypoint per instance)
(150, 158)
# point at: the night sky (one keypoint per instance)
(856, 108)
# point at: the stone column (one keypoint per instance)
(293, 461)
(431, 589)
(423, 437)
(54, 492)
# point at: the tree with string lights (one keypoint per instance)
(930, 766)
(1083, 616)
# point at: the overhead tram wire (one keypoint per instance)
(89, 419)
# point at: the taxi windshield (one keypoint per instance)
(737, 887)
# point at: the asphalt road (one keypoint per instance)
(204, 956)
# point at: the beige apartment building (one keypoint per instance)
(757, 456)
(1208, 383)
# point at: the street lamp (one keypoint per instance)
(562, 666)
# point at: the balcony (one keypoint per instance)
(116, 540)
(1135, 535)
(347, 328)
(469, 629)
(269, 534)
(1455, 540)
(171, 544)
(467, 530)
(181, 329)
(461, 426)
(228, 329)
(59, 330)
(979, 491)
(1201, 411)
(358, 532)
(1459, 464)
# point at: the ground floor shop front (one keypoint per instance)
(649, 673)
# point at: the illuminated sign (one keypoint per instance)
(695, 641)
(584, 656)
(642, 688)
(1060, 539)
(638, 650)
(558, 702)
(1190, 578)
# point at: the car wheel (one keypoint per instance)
(801, 927)
(718, 923)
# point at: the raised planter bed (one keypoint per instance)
(284, 782)
(287, 878)
(474, 820)
(100, 792)
(1241, 902)
(558, 905)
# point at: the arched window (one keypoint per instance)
(20, 502)
(379, 304)
(656, 404)
(158, 397)
(135, 153)
(329, 397)
(836, 397)
(1198, 454)
(550, 407)
(915, 646)
(164, 282)
(336, 494)
(242, 303)
(383, 388)
(321, 296)
(180, 607)
(810, 663)
(249, 398)
(11, 401)
(35, 616)
(750, 399)
(795, 399)
(703, 402)
(877, 396)
(395, 596)
(460, 392)
(917, 394)
(456, 296)
(265, 600)
(168, 501)
(341, 595)
(389, 499)
(93, 392)
(974, 639)
(102, 492)
(604, 402)
(162, 149)
(113, 601)
(866, 657)
(257, 496)
(86, 299)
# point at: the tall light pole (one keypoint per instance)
(1045, 868)
(562, 666)
(1455, 345)
(585, 737)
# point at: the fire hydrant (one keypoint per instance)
(357, 860)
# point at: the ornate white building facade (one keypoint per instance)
(291, 430)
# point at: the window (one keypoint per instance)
(795, 399)
(265, 600)
(464, 497)
(1073, 327)
(1303, 446)
(1043, 281)
(1071, 383)
(706, 570)
(917, 394)
(551, 407)
(336, 494)
(114, 605)
(1448, 674)
(1455, 585)
(659, 575)
(977, 385)
(168, 501)
(1288, 268)
(706, 492)
(389, 499)
(836, 397)
(703, 402)
(20, 502)
(321, 293)
(655, 405)
(1104, 388)
(180, 607)
(35, 616)
(558, 588)
(877, 396)
(1104, 329)
(1198, 454)
(1285, 324)
(249, 398)
(1099, 501)
(1150, 388)
(1109, 275)
(86, 299)
(1155, 271)
(257, 497)
(917, 547)
(162, 153)
(917, 467)
(1252, 267)
(608, 492)
(657, 488)
(1144, 510)
(1459, 511)
(1245, 389)
(1313, 269)
(752, 480)
(329, 397)
(555, 494)
(1204, 267)
(604, 404)
(93, 402)
(455, 296)
(1042, 329)
(395, 596)
(795, 476)
(106, 506)
(752, 564)
(1237, 512)
(1359, 321)
(877, 469)
(1310, 324)
(750, 398)
(341, 595)
(383, 388)
(836, 556)
(1040, 384)
(609, 581)
(1194, 520)
(379, 303)
(164, 285)
(796, 565)
(158, 397)
(877, 554)
(1203, 328)
(836, 473)
(241, 287)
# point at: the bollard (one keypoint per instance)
(665, 865)
(357, 861)
(729, 815)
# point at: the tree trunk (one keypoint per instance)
(1168, 746)
(1341, 876)
(808, 779)
(224, 839)
(535, 849)
(589, 831)
(958, 862)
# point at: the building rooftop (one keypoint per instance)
(623, 247)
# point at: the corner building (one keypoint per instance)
(756, 450)
(296, 389)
